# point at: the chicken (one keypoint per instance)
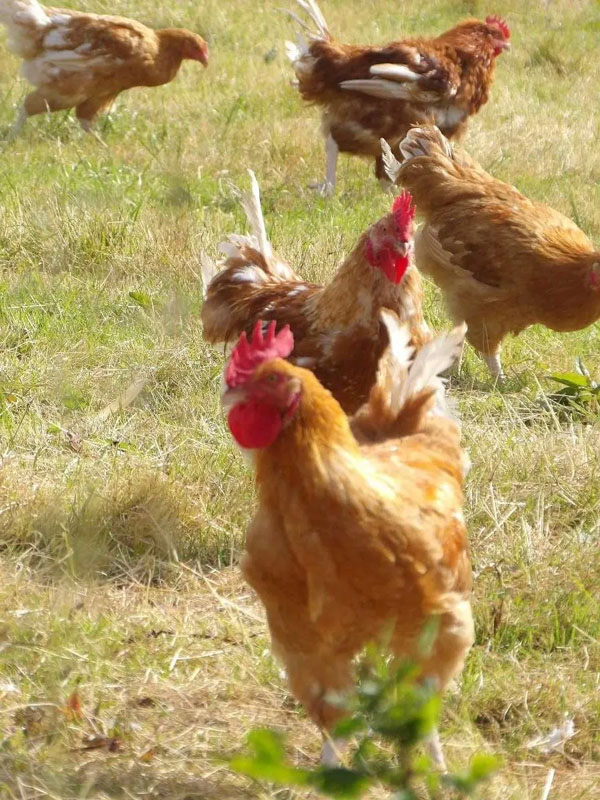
(367, 93)
(357, 536)
(83, 61)
(502, 261)
(337, 327)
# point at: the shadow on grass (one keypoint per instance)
(99, 779)
(139, 529)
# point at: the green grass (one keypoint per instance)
(120, 532)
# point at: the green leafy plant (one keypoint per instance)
(391, 714)
(580, 393)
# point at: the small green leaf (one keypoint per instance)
(267, 745)
(571, 379)
(348, 727)
(341, 782)
(265, 771)
(142, 299)
(483, 765)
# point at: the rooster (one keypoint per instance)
(359, 532)
(337, 327)
(367, 93)
(83, 61)
(502, 261)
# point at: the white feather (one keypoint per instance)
(390, 162)
(23, 12)
(432, 359)
(56, 38)
(23, 20)
(314, 12)
(56, 18)
(378, 87)
(404, 379)
(399, 349)
(252, 207)
(395, 72)
(393, 365)
(292, 52)
(248, 274)
(390, 90)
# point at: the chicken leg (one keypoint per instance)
(332, 752)
(436, 752)
(494, 366)
(37, 102)
(18, 124)
(327, 188)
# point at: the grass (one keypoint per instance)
(120, 532)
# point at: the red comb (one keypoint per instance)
(497, 22)
(247, 355)
(403, 209)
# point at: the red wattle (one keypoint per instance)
(400, 267)
(393, 266)
(254, 425)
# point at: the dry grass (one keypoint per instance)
(119, 532)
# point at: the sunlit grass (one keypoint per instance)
(110, 523)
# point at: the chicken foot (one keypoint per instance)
(332, 751)
(434, 746)
(494, 366)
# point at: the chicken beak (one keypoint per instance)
(294, 387)
(231, 398)
(402, 249)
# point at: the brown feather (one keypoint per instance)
(455, 73)
(106, 55)
(502, 261)
(337, 329)
(352, 541)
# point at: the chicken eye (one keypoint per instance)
(272, 378)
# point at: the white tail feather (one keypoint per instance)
(315, 15)
(390, 162)
(410, 379)
(257, 239)
(253, 209)
(432, 359)
(236, 243)
(396, 360)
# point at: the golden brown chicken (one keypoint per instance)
(83, 61)
(367, 93)
(336, 327)
(357, 534)
(502, 261)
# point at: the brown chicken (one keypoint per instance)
(502, 261)
(83, 61)
(367, 93)
(337, 327)
(358, 536)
